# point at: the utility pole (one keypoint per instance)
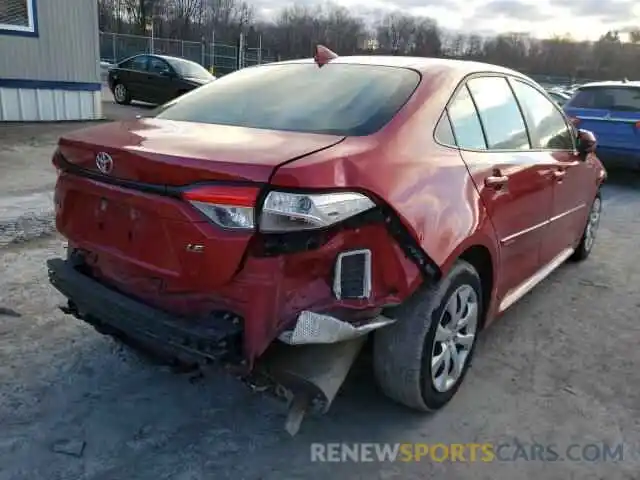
(241, 51)
(259, 49)
(213, 51)
(152, 36)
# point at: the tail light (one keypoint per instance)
(235, 207)
(638, 124)
(227, 206)
(285, 212)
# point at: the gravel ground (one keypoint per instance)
(561, 367)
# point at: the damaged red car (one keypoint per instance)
(282, 215)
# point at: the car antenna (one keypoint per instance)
(323, 55)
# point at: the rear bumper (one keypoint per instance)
(217, 338)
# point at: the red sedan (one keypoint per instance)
(321, 202)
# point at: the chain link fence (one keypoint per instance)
(222, 58)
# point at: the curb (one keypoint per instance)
(27, 217)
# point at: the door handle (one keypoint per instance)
(496, 181)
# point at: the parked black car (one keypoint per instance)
(155, 78)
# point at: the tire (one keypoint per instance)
(121, 94)
(403, 351)
(590, 231)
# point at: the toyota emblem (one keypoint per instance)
(104, 162)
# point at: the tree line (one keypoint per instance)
(295, 30)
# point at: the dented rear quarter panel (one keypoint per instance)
(426, 184)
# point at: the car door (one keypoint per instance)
(513, 184)
(161, 80)
(555, 138)
(135, 73)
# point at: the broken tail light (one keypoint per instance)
(227, 206)
(286, 212)
(235, 207)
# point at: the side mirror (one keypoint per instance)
(586, 143)
(166, 73)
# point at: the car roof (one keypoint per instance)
(421, 64)
(169, 58)
(610, 83)
(164, 57)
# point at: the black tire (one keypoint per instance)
(402, 352)
(585, 246)
(125, 97)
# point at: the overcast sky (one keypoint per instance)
(583, 19)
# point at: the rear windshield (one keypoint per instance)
(336, 99)
(622, 99)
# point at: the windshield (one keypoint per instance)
(189, 69)
(337, 99)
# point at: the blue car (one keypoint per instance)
(611, 110)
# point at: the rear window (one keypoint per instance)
(336, 99)
(622, 99)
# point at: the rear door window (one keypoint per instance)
(338, 99)
(617, 99)
(157, 65)
(503, 123)
(549, 129)
(465, 122)
(138, 63)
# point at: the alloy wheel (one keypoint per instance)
(120, 92)
(454, 338)
(592, 224)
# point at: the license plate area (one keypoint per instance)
(118, 227)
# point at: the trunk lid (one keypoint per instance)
(148, 243)
(165, 152)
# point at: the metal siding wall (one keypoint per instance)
(37, 105)
(67, 48)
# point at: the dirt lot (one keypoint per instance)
(560, 368)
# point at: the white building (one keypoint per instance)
(49, 60)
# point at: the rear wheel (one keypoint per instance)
(421, 360)
(590, 231)
(121, 94)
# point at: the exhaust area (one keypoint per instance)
(317, 328)
(313, 374)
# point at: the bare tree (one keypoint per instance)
(298, 28)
